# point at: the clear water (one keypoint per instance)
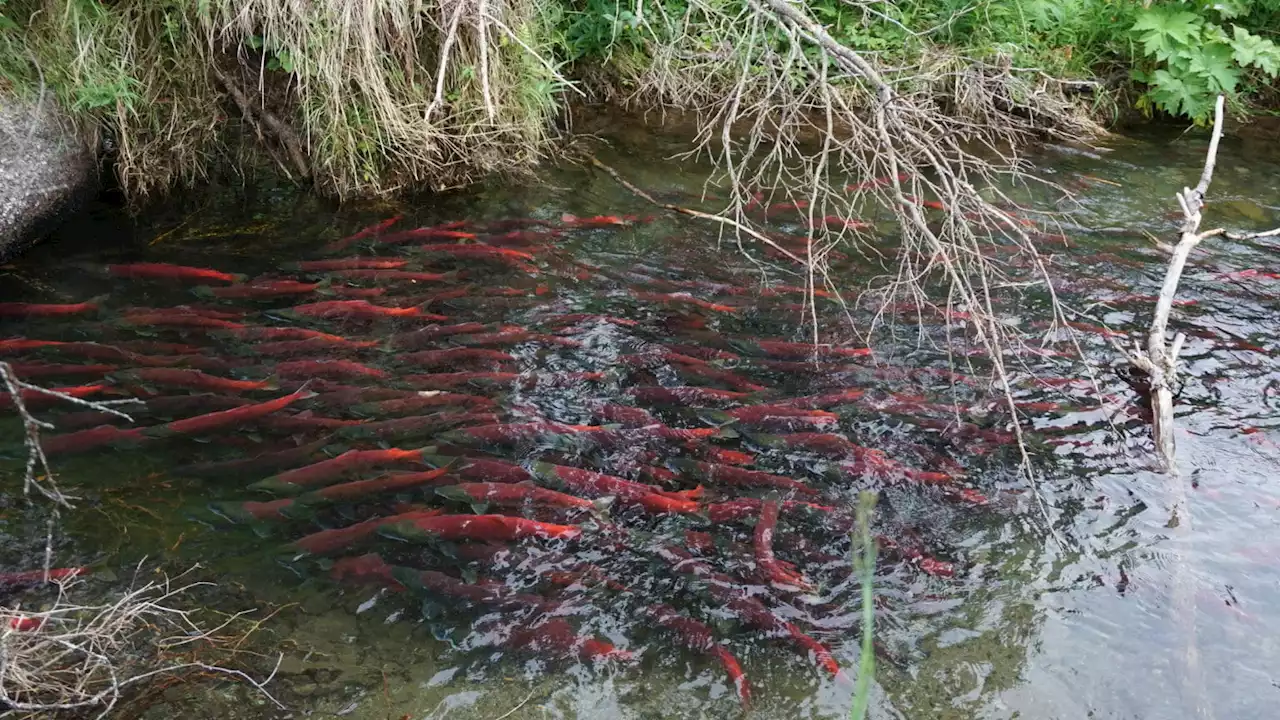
(1092, 618)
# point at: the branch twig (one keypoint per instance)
(696, 213)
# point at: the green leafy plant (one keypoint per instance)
(599, 27)
(1192, 59)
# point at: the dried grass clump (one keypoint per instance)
(125, 72)
(78, 658)
(362, 96)
(402, 92)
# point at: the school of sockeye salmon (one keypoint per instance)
(648, 457)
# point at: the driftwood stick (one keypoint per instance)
(1252, 236)
(1160, 361)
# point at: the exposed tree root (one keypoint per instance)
(257, 116)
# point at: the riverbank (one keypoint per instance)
(402, 96)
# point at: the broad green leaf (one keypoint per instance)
(1231, 8)
(1179, 95)
(1249, 49)
(1164, 32)
(1044, 14)
(1213, 62)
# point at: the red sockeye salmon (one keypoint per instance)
(165, 271)
(18, 309)
(454, 356)
(416, 426)
(355, 263)
(336, 369)
(512, 495)
(776, 570)
(191, 379)
(730, 475)
(393, 275)
(223, 418)
(260, 289)
(688, 395)
(749, 610)
(419, 401)
(180, 320)
(328, 471)
(360, 309)
(481, 469)
(355, 491)
(474, 527)
(371, 231)
(92, 439)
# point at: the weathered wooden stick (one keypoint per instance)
(1252, 236)
(1160, 360)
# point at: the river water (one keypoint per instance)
(1073, 597)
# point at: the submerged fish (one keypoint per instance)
(684, 299)
(747, 609)
(717, 474)
(416, 426)
(190, 321)
(360, 309)
(328, 471)
(474, 527)
(394, 275)
(260, 289)
(454, 356)
(165, 271)
(796, 351)
(93, 438)
(191, 379)
(224, 418)
(305, 504)
(31, 371)
(355, 263)
(338, 369)
(419, 401)
(371, 231)
(19, 309)
(688, 395)
(776, 570)
(507, 494)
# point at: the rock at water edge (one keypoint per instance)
(46, 172)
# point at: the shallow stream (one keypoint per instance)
(547, 357)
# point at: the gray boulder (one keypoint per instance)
(46, 173)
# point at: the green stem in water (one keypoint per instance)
(865, 564)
